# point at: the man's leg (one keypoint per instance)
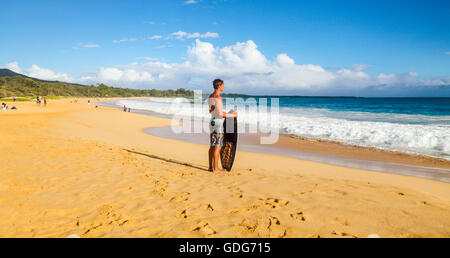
(211, 158)
(216, 159)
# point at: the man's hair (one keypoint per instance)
(217, 83)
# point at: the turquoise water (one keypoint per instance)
(412, 106)
(411, 125)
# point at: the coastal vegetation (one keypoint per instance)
(18, 85)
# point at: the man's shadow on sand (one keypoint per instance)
(168, 160)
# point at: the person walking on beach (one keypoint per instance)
(215, 103)
(45, 101)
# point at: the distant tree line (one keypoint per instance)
(20, 87)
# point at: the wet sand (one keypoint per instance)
(328, 152)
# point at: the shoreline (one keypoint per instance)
(395, 156)
(322, 146)
(383, 163)
(71, 168)
(324, 151)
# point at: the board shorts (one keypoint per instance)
(216, 129)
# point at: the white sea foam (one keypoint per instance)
(419, 134)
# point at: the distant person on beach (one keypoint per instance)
(14, 99)
(129, 110)
(215, 103)
(124, 109)
(45, 101)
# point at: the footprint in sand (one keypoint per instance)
(303, 192)
(424, 203)
(399, 193)
(237, 192)
(274, 202)
(275, 228)
(272, 228)
(341, 221)
(244, 209)
(262, 227)
(209, 207)
(342, 234)
(340, 192)
(181, 198)
(182, 214)
(184, 174)
(204, 227)
(160, 187)
(298, 215)
(107, 216)
(238, 195)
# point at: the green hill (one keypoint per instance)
(15, 84)
(7, 72)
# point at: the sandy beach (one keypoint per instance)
(71, 168)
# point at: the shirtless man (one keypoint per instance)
(215, 103)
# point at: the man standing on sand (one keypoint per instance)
(215, 103)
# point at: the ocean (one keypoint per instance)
(410, 125)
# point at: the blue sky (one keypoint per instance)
(287, 47)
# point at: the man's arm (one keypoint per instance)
(225, 115)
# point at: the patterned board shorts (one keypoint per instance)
(216, 139)
(216, 136)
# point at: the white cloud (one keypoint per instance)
(14, 66)
(447, 53)
(46, 74)
(155, 37)
(39, 73)
(91, 46)
(246, 69)
(111, 74)
(124, 40)
(285, 60)
(190, 2)
(149, 58)
(359, 67)
(81, 45)
(182, 35)
(209, 35)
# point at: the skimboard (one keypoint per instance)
(228, 151)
